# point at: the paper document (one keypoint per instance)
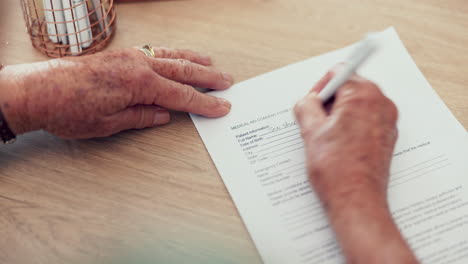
(258, 151)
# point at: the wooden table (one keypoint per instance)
(156, 192)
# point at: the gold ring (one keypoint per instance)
(148, 50)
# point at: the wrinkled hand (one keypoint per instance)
(349, 146)
(102, 94)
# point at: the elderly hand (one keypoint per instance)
(102, 94)
(349, 148)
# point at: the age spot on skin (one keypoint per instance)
(172, 72)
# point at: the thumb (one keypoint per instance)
(140, 116)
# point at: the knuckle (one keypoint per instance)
(368, 90)
(369, 87)
(363, 92)
(125, 52)
(176, 93)
(373, 92)
(298, 109)
(183, 62)
(163, 52)
(190, 97)
(350, 87)
(135, 118)
(187, 66)
(171, 71)
(129, 55)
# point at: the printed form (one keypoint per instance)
(259, 153)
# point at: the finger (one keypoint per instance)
(310, 112)
(192, 74)
(358, 96)
(139, 116)
(357, 88)
(195, 57)
(318, 87)
(322, 82)
(180, 97)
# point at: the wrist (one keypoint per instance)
(368, 234)
(364, 226)
(12, 100)
(338, 188)
(350, 209)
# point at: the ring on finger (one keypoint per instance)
(148, 50)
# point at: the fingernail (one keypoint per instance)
(225, 103)
(228, 77)
(161, 117)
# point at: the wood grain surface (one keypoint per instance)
(155, 193)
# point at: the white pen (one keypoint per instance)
(363, 51)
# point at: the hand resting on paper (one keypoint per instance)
(102, 94)
(349, 147)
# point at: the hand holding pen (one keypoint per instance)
(349, 146)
